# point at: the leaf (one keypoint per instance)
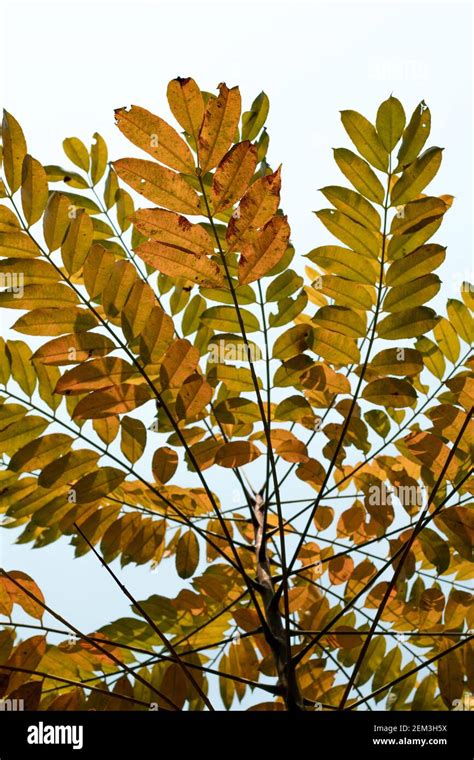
(55, 321)
(73, 348)
(417, 264)
(450, 678)
(459, 523)
(153, 135)
(99, 155)
(408, 324)
(77, 242)
(354, 205)
(390, 122)
(218, 127)
(187, 554)
(265, 250)
(174, 229)
(195, 394)
(56, 220)
(414, 179)
(397, 361)
(340, 569)
(97, 484)
(20, 362)
(415, 135)
(17, 244)
(122, 278)
(28, 655)
(390, 392)
(40, 452)
(359, 173)
(95, 375)
(225, 318)
(311, 472)
(164, 464)
(38, 296)
(97, 269)
(351, 233)
(159, 185)
(34, 189)
(156, 335)
(14, 150)
(341, 320)
(365, 138)
(414, 293)
(19, 433)
(447, 339)
(256, 208)
(68, 468)
(461, 320)
(180, 361)
(232, 177)
(118, 399)
(236, 454)
(187, 105)
(12, 594)
(253, 120)
(77, 152)
(175, 262)
(345, 263)
(133, 438)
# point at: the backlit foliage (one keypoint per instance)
(170, 354)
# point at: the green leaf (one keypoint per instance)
(77, 152)
(407, 324)
(411, 294)
(418, 175)
(390, 122)
(415, 265)
(224, 318)
(353, 205)
(390, 392)
(359, 173)
(14, 150)
(365, 138)
(253, 120)
(414, 136)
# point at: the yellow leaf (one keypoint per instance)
(264, 251)
(187, 554)
(219, 126)
(94, 375)
(99, 155)
(14, 150)
(174, 229)
(77, 152)
(77, 242)
(236, 454)
(118, 399)
(159, 184)
(59, 213)
(164, 464)
(187, 105)
(365, 138)
(391, 392)
(175, 262)
(34, 189)
(74, 348)
(153, 135)
(180, 360)
(233, 175)
(256, 208)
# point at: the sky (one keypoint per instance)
(65, 67)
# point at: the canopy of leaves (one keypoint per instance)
(160, 344)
